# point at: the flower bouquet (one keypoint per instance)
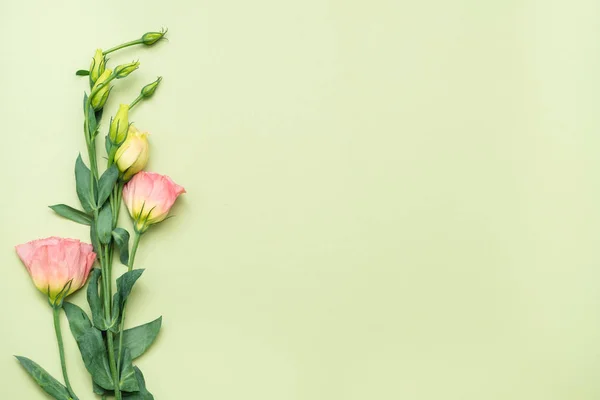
(59, 267)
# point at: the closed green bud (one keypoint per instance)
(97, 66)
(119, 125)
(149, 89)
(125, 69)
(102, 93)
(150, 38)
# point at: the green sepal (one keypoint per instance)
(82, 72)
(143, 393)
(127, 380)
(50, 385)
(121, 237)
(94, 301)
(71, 213)
(91, 345)
(104, 224)
(107, 144)
(106, 183)
(137, 340)
(83, 185)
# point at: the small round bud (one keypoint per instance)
(149, 89)
(103, 91)
(150, 38)
(125, 69)
(97, 66)
(119, 125)
(132, 156)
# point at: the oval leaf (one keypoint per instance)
(121, 237)
(125, 283)
(94, 300)
(94, 238)
(83, 185)
(91, 345)
(104, 224)
(82, 72)
(106, 183)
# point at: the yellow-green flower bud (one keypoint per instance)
(150, 38)
(149, 89)
(125, 69)
(119, 125)
(133, 154)
(97, 66)
(102, 93)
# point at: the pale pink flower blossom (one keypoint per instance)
(58, 267)
(149, 197)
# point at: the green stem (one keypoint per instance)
(113, 364)
(134, 248)
(104, 252)
(107, 289)
(61, 349)
(137, 100)
(117, 196)
(122, 46)
(136, 243)
(106, 281)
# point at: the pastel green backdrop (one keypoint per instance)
(386, 199)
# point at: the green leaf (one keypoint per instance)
(84, 184)
(93, 118)
(124, 285)
(121, 237)
(127, 380)
(53, 387)
(79, 322)
(91, 345)
(85, 97)
(82, 72)
(137, 340)
(94, 238)
(106, 183)
(71, 213)
(94, 300)
(92, 122)
(104, 224)
(99, 390)
(115, 314)
(143, 394)
(98, 114)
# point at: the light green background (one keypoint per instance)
(386, 199)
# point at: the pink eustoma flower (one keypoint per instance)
(57, 266)
(149, 197)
